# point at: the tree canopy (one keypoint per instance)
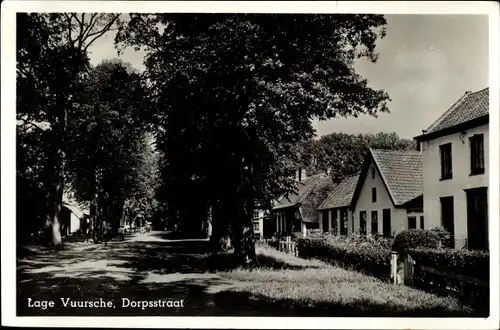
(235, 93)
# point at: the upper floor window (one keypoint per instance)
(374, 195)
(476, 143)
(446, 162)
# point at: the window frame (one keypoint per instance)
(362, 229)
(374, 194)
(375, 212)
(446, 164)
(476, 154)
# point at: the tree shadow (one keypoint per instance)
(265, 306)
(153, 270)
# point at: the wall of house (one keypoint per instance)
(399, 218)
(75, 223)
(434, 188)
(334, 215)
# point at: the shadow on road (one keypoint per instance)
(143, 267)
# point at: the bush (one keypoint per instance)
(420, 238)
(473, 264)
(371, 259)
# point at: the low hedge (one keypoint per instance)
(420, 238)
(367, 258)
(473, 264)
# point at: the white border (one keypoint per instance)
(9, 8)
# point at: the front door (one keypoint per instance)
(477, 218)
(448, 218)
(386, 222)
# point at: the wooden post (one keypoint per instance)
(408, 270)
(394, 266)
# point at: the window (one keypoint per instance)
(412, 222)
(446, 163)
(386, 222)
(476, 143)
(334, 221)
(373, 172)
(374, 195)
(256, 214)
(374, 222)
(343, 221)
(421, 222)
(256, 227)
(362, 222)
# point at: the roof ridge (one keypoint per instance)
(394, 150)
(447, 112)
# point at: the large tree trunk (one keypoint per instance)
(59, 168)
(244, 237)
(220, 239)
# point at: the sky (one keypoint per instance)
(426, 62)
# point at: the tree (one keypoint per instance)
(111, 159)
(238, 92)
(343, 153)
(51, 58)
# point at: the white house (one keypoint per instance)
(336, 215)
(72, 215)
(455, 154)
(388, 193)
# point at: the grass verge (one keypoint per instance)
(318, 289)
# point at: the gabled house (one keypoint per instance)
(388, 193)
(455, 159)
(335, 211)
(72, 215)
(297, 213)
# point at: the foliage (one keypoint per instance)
(51, 61)
(235, 93)
(315, 197)
(342, 154)
(474, 264)
(111, 159)
(368, 258)
(419, 238)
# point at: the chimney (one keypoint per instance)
(303, 174)
(328, 170)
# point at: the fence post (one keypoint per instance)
(408, 270)
(394, 266)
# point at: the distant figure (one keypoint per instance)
(105, 232)
(88, 230)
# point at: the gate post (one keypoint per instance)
(394, 267)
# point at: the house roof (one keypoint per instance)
(304, 188)
(469, 107)
(74, 207)
(401, 172)
(341, 195)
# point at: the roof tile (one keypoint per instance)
(304, 188)
(470, 106)
(341, 195)
(402, 172)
